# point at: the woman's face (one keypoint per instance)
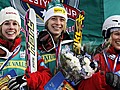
(56, 24)
(115, 36)
(10, 29)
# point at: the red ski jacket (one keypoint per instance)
(98, 80)
(37, 80)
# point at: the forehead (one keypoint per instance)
(118, 31)
(10, 20)
(115, 29)
(57, 17)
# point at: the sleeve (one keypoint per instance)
(96, 82)
(37, 80)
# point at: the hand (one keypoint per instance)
(113, 80)
(17, 83)
(88, 68)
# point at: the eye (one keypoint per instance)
(62, 19)
(53, 18)
(116, 33)
(15, 23)
(6, 23)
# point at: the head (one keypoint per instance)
(55, 17)
(10, 23)
(111, 31)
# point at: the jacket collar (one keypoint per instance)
(10, 45)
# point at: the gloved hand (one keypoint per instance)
(113, 80)
(87, 71)
(17, 83)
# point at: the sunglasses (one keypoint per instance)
(46, 40)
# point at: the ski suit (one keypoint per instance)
(17, 63)
(51, 57)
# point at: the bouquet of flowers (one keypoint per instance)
(76, 67)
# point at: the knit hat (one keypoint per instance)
(9, 13)
(55, 8)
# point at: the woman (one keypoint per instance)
(10, 41)
(55, 31)
(12, 50)
(108, 76)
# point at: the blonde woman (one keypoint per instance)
(108, 75)
(12, 55)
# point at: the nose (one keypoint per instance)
(11, 25)
(119, 36)
(58, 21)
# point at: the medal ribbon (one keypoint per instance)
(115, 63)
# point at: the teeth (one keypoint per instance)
(10, 32)
(56, 27)
(118, 42)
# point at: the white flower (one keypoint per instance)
(73, 61)
(87, 68)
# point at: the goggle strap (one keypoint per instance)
(14, 51)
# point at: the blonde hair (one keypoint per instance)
(107, 43)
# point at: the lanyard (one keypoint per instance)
(57, 55)
(115, 63)
(58, 52)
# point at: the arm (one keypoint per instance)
(35, 80)
(38, 79)
(99, 80)
(96, 82)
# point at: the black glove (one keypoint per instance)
(18, 83)
(113, 80)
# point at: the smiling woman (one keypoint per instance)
(12, 56)
(55, 28)
(115, 36)
(10, 29)
(108, 75)
(10, 43)
(10, 23)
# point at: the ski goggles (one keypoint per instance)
(5, 53)
(46, 40)
(8, 55)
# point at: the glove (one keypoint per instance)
(87, 71)
(113, 80)
(18, 83)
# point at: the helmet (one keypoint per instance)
(110, 23)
